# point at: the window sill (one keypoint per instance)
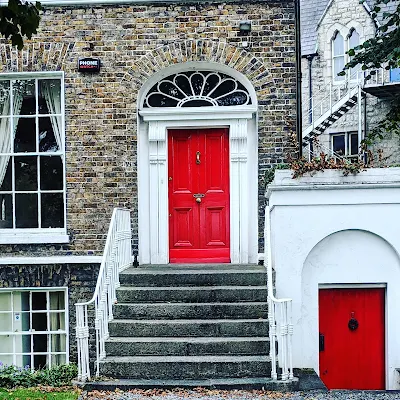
(7, 237)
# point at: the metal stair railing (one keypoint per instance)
(329, 100)
(279, 316)
(318, 148)
(117, 256)
(326, 104)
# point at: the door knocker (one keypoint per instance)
(353, 323)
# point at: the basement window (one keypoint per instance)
(32, 178)
(345, 144)
(34, 327)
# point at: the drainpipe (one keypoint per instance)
(298, 78)
(310, 58)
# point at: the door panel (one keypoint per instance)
(352, 329)
(216, 234)
(198, 167)
(183, 232)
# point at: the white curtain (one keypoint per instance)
(57, 322)
(5, 128)
(52, 93)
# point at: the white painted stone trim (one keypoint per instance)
(50, 260)
(153, 191)
(8, 237)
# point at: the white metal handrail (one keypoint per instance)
(318, 148)
(323, 101)
(279, 316)
(116, 257)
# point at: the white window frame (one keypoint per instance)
(347, 142)
(352, 71)
(338, 79)
(346, 57)
(39, 235)
(14, 314)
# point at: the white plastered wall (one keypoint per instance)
(331, 229)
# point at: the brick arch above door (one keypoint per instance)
(207, 51)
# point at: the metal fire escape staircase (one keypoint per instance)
(333, 101)
(328, 105)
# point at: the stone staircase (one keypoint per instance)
(190, 326)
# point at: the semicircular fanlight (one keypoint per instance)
(197, 89)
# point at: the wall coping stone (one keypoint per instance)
(371, 177)
(50, 260)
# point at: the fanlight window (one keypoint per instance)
(197, 89)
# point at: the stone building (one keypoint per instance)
(342, 110)
(180, 85)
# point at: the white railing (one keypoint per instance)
(317, 148)
(324, 100)
(116, 257)
(279, 316)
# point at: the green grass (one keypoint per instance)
(36, 394)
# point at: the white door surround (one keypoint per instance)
(153, 179)
(153, 126)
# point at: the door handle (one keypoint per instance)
(198, 154)
(321, 342)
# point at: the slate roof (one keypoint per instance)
(311, 12)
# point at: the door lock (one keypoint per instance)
(198, 197)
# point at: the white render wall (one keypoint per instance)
(329, 229)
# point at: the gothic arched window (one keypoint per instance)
(338, 57)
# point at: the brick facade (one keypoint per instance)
(133, 43)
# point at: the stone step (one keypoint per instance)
(192, 294)
(185, 367)
(190, 310)
(186, 346)
(181, 328)
(202, 275)
(258, 383)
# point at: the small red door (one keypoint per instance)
(352, 338)
(198, 191)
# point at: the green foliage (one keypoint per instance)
(270, 172)
(38, 394)
(391, 123)
(19, 19)
(384, 48)
(12, 376)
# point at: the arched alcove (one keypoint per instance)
(348, 258)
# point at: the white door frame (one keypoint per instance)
(153, 177)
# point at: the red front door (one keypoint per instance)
(198, 191)
(352, 338)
